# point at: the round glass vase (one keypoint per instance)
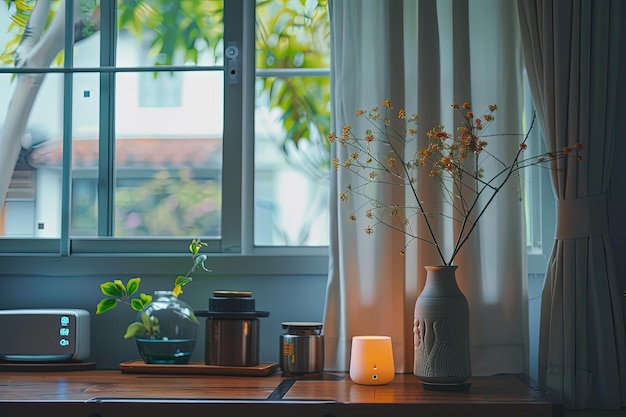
(171, 330)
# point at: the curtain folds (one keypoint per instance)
(572, 51)
(366, 280)
(424, 55)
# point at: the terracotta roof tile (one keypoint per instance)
(153, 153)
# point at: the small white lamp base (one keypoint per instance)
(371, 360)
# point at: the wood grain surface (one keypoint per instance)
(97, 393)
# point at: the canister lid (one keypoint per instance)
(232, 294)
(231, 301)
(302, 328)
(231, 305)
(301, 325)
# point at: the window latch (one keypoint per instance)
(232, 62)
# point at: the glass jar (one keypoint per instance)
(171, 330)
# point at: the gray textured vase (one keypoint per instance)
(441, 329)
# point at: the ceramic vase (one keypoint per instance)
(173, 327)
(441, 329)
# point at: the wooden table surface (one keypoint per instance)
(97, 393)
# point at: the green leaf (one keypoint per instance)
(132, 285)
(134, 329)
(145, 298)
(105, 305)
(151, 324)
(182, 280)
(137, 304)
(196, 245)
(120, 286)
(146, 320)
(193, 317)
(109, 288)
(199, 262)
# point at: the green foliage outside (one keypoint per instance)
(169, 205)
(296, 34)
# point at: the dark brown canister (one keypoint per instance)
(232, 342)
(232, 329)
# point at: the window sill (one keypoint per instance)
(314, 263)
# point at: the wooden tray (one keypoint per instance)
(197, 368)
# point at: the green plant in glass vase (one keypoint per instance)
(456, 161)
(117, 292)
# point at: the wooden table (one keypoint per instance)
(97, 393)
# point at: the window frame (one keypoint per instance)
(541, 203)
(55, 255)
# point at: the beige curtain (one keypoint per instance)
(572, 50)
(423, 55)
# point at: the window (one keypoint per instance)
(538, 197)
(151, 129)
(292, 116)
(540, 212)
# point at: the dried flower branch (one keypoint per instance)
(456, 162)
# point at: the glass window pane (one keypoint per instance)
(164, 32)
(291, 34)
(168, 158)
(86, 33)
(85, 154)
(10, 37)
(291, 180)
(292, 117)
(31, 153)
(45, 23)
